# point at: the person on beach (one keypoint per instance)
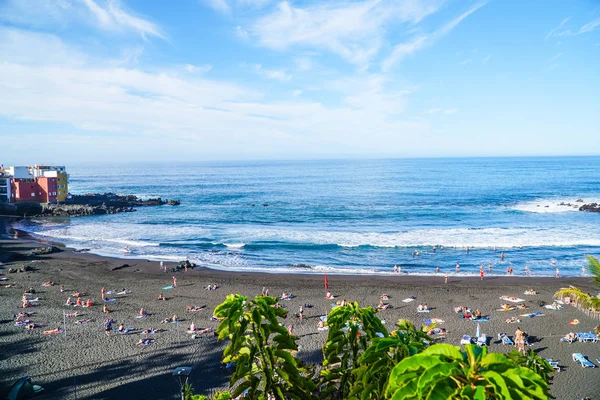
(527, 271)
(102, 293)
(143, 312)
(395, 269)
(413, 254)
(193, 327)
(161, 297)
(446, 278)
(434, 248)
(467, 250)
(489, 267)
(69, 302)
(290, 329)
(582, 271)
(300, 311)
(502, 256)
(437, 270)
(105, 309)
(107, 326)
(79, 302)
(457, 268)
(557, 272)
(61, 289)
(481, 273)
(174, 281)
(88, 303)
(328, 295)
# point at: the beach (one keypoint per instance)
(84, 363)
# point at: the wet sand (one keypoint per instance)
(84, 363)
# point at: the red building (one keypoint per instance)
(41, 190)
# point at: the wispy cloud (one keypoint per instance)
(114, 17)
(403, 50)
(276, 74)
(467, 61)
(221, 6)
(201, 69)
(558, 31)
(241, 33)
(446, 111)
(485, 59)
(353, 30)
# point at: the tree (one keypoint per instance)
(261, 349)
(378, 360)
(534, 362)
(579, 297)
(443, 371)
(351, 330)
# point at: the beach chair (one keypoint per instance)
(505, 339)
(580, 358)
(553, 364)
(482, 340)
(466, 339)
(587, 337)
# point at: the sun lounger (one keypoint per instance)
(482, 340)
(580, 358)
(466, 339)
(408, 300)
(587, 337)
(553, 364)
(505, 339)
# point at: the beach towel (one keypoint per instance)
(323, 318)
(512, 299)
(433, 321)
(167, 287)
(124, 292)
(506, 309)
(125, 332)
(408, 300)
(146, 342)
(482, 319)
(423, 311)
(535, 314)
(142, 316)
(323, 328)
(466, 339)
(3, 279)
(574, 322)
(551, 307)
(109, 300)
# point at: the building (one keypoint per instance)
(41, 184)
(5, 186)
(58, 172)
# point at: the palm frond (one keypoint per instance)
(594, 266)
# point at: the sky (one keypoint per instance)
(138, 80)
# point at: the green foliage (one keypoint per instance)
(262, 350)
(351, 330)
(534, 362)
(579, 297)
(375, 364)
(443, 371)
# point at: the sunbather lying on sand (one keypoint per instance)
(423, 307)
(506, 307)
(385, 297)
(195, 308)
(437, 331)
(382, 305)
(78, 294)
(82, 321)
(52, 332)
(571, 336)
(72, 315)
(150, 331)
(47, 284)
(531, 292)
(286, 296)
(161, 297)
(174, 318)
(328, 295)
(513, 320)
(145, 342)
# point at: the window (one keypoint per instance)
(32, 194)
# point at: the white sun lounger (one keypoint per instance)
(505, 339)
(466, 339)
(482, 340)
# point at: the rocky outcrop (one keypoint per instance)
(44, 250)
(89, 204)
(591, 207)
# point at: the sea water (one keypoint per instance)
(354, 217)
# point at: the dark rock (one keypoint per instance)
(27, 268)
(592, 207)
(174, 202)
(120, 267)
(579, 201)
(44, 250)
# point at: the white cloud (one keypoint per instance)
(554, 31)
(197, 68)
(402, 50)
(160, 111)
(108, 15)
(590, 26)
(353, 30)
(467, 61)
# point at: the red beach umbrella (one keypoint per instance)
(326, 283)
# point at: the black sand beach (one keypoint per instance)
(85, 363)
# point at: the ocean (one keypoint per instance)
(350, 217)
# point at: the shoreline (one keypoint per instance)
(381, 274)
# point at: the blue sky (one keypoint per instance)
(97, 80)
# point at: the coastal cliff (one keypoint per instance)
(88, 204)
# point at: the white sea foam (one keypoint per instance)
(451, 237)
(552, 205)
(235, 245)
